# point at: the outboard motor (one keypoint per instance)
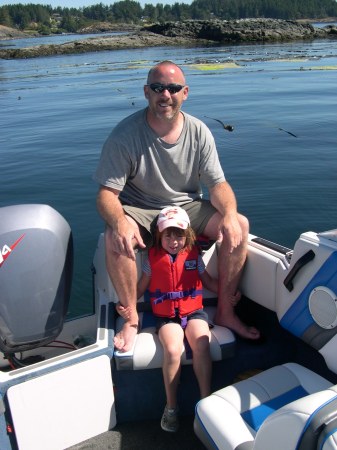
(36, 261)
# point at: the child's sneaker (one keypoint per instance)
(169, 421)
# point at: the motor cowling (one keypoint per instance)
(36, 265)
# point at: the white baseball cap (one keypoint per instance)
(173, 216)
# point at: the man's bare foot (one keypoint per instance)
(124, 340)
(232, 321)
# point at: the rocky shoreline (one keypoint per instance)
(185, 33)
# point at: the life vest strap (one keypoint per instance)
(174, 295)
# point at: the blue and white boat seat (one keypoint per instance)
(287, 407)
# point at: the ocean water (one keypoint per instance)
(281, 158)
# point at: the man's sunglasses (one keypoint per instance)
(158, 88)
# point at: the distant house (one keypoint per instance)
(56, 18)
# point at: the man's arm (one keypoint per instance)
(125, 233)
(223, 199)
(109, 206)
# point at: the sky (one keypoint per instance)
(56, 3)
(81, 3)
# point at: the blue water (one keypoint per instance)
(51, 39)
(56, 113)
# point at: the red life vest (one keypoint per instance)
(175, 287)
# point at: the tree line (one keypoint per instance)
(45, 19)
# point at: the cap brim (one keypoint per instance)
(172, 223)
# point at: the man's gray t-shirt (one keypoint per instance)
(153, 174)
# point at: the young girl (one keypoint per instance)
(174, 274)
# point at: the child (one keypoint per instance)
(174, 273)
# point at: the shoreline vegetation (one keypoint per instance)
(182, 33)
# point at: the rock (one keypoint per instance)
(132, 40)
(242, 30)
(331, 29)
(185, 33)
(108, 27)
(11, 33)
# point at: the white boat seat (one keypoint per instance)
(147, 352)
(287, 407)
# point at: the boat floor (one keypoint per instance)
(144, 435)
(277, 346)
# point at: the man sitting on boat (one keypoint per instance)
(157, 157)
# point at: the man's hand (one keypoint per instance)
(125, 235)
(230, 228)
(223, 199)
(125, 238)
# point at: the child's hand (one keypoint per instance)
(235, 298)
(123, 311)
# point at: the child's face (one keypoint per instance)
(173, 240)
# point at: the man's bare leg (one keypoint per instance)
(123, 274)
(230, 267)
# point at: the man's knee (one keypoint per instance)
(108, 238)
(244, 223)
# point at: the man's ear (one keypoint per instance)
(185, 92)
(146, 93)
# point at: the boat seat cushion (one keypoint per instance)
(147, 352)
(270, 410)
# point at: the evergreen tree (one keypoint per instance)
(130, 11)
(5, 18)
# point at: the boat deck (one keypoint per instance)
(277, 346)
(144, 435)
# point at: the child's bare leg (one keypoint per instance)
(171, 336)
(198, 335)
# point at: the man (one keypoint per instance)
(159, 157)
